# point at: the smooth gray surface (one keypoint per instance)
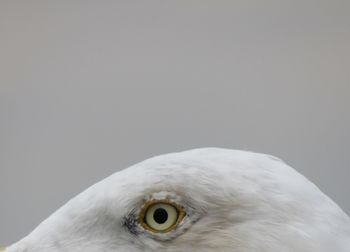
(90, 87)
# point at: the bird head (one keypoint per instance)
(199, 200)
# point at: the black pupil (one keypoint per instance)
(160, 215)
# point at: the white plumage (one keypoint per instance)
(235, 201)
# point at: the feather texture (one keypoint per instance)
(236, 201)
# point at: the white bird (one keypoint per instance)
(201, 200)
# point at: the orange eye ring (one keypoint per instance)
(161, 216)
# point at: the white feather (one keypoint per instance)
(241, 202)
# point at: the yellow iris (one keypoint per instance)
(161, 216)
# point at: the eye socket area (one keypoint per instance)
(161, 216)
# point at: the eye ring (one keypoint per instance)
(169, 215)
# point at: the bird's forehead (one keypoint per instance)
(201, 173)
(175, 170)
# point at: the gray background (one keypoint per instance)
(90, 87)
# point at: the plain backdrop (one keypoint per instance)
(90, 87)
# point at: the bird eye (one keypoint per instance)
(161, 217)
